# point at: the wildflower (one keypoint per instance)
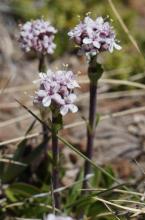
(94, 36)
(57, 90)
(53, 217)
(69, 105)
(37, 35)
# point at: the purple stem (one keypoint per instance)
(55, 169)
(42, 67)
(91, 126)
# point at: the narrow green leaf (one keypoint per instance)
(22, 189)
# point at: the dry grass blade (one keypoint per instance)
(27, 218)
(137, 76)
(12, 162)
(19, 88)
(85, 80)
(139, 166)
(20, 138)
(102, 190)
(113, 115)
(13, 105)
(123, 113)
(3, 201)
(15, 120)
(128, 201)
(73, 125)
(111, 211)
(104, 214)
(129, 209)
(125, 27)
(22, 203)
(123, 82)
(120, 94)
(7, 83)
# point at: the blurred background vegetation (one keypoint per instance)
(65, 14)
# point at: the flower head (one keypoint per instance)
(94, 36)
(57, 90)
(37, 35)
(53, 217)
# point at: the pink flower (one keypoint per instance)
(94, 36)
(37, 35)
(57, 90)
(54, 217)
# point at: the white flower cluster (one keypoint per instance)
(57, 90)
(37, 35)
(94, 36)
(53, 217)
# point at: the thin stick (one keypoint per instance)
(55, 171)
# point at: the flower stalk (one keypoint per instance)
(42, 68)
(38, 36)
(55, 156)
(94, 72)
(56, 94)
(93, 37)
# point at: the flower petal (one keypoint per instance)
(88, 21)
(41, 93)
(99, 20)
(71, 98)
(53, 217)
(117, 46)
(96, 44)
(58, 99)
(64, 110)
(87, 41)
(111, 48)
(46, 101)
(50, 217)
(72, 85)
(73, 108)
